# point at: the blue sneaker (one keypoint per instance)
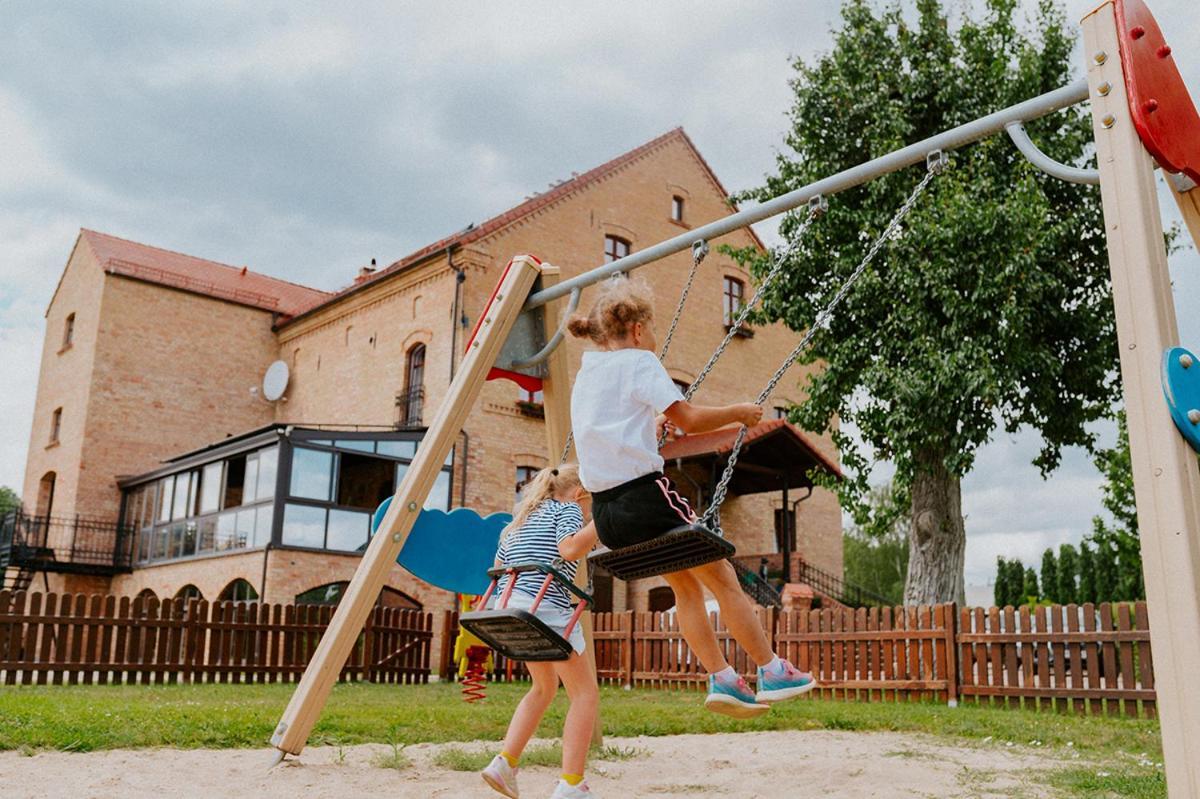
(733, 699)
(776, 686)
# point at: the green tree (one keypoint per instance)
(992, 307)
(1030, 590)
(1000, 592)
(875, 556)
(1119, 538)
(1087, 573)
(1106, 570)
(1049, 576)
(1068, 568)
(9, 501)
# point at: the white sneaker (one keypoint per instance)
(502, 777)
(565, 790)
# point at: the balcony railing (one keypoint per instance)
(58, 544)
(410, 407)
(834, 587)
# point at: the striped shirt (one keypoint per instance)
(537, 542)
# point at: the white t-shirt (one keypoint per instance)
(616, 397)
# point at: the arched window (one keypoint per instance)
(146, 594)
(45, 500)
(238, 591)
(661, 599)
(331, 594)
(68, 331)
(189, 591)
(411, 402)
(524, 475)
(615, 248)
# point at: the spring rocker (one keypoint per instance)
(1143, 117)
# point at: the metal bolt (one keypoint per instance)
(412, 506)
(1164, 51)
(1150, 106)
(1101, 57)
(1185, 361)
(1138, 32)
(1194, 416)
(475, 345)
(487, 320)
(1104, 88)
(1108, 121)
(395, 538)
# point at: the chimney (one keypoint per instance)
(365, 272)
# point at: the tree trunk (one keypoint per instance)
(937, 538)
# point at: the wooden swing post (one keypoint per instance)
(1166, 479)
(306, 704)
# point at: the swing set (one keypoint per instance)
(1142, 116)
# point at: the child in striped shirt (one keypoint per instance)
(545, 527)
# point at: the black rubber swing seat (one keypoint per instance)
(516, 634)
(675, 550)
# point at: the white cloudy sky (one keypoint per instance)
(303, 140)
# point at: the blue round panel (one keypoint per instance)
(1181, 387)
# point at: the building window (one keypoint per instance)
(781, 412)
(615, 248)
(68, 331)
(189, 591)
(524, 475)
(146, 595)
(411, 402)
(660, 599)
(677, 208)
(238, 591)
(681, 385)
(55, 425)
(45, 500)
(734, 299)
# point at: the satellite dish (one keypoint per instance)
(275, 381)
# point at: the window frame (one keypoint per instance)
(612, 246)
(68, 339)
(56, 425)
(677, 206)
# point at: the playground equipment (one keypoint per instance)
(516, 633)
(472, 657)
(1141, 113)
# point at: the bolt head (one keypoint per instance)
(1100, 57)
(412, 506)
(1104, 89)
(1137, 32)
(1194, 416)
(1164, 51)
(1108, 121)
(1150, 106)
(1185, 361)
(395, 538)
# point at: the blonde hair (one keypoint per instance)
(622, 303)
(546, 484)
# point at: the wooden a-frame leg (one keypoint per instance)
(311, 694)
(1189, 206)
(556, 402)
(1166, 478)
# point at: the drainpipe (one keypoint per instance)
(794, 520)
(458, 319)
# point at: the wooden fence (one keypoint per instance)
(1073, 658)
(53, 639)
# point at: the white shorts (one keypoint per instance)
(554, 618)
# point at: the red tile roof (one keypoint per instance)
(234, 284)
(720, 442)
(476, 232)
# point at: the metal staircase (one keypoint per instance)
(756, 587)
(837, 590)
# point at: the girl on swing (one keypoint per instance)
(620, 391)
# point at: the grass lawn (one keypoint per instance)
(84, 718)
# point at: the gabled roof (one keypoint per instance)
(186, 272)
(530, 206)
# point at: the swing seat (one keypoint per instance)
(516, 634)
(675, 550)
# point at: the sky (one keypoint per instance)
(303, 140)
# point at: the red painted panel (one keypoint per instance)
(527, 382)
(1162, 109)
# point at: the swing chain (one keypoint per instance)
(712, 516)
(699, 251)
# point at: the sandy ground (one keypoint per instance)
(764, 764)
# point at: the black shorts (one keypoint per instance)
(644, 508)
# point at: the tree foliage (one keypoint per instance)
(875, 556)
(992, 307)
(1068, 568)
(9, 501)
(1049, 575)
(1118, 546)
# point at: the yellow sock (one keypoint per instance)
(512, 761)
(572, 779)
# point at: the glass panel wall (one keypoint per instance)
(223, 506)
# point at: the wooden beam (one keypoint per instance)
(1189, 206)
(322, 672)
(556, 402)
(1166, 479)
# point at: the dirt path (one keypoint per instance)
(763, 764)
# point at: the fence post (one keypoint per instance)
(627, 649)
(952, 654)
(368, 641)
(446, 664)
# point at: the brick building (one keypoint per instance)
(157, 463)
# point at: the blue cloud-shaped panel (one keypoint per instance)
(450, 550)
